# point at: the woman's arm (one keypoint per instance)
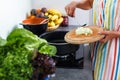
(85, 4)
(82, 4)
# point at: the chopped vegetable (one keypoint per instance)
(84, 31)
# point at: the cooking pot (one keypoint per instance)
(56, 38)
(36, 25)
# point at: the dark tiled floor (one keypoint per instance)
(76, 74)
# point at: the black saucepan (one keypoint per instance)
(56, 38)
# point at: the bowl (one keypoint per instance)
(52, 28)
(36, 25)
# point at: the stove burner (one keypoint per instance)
(69, 61)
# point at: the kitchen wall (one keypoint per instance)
(11, 14)
(82, 16)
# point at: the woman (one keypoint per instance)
(106, 52)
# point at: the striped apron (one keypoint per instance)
(106, 56)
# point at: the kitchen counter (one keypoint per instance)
(68, 28)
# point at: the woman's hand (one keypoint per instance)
(70, 8)
(109, 35)
(82, 4)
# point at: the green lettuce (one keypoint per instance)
(2, 42)
(16, 54)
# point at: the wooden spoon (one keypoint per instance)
(44, 21)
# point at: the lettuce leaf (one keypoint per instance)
(23, 37)
(16, 54)
(2, 42)
(48, 49)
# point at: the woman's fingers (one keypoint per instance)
(104, 40)
(108, 35)
(70, 11)
(103, 32)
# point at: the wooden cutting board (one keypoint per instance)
(73, 38)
